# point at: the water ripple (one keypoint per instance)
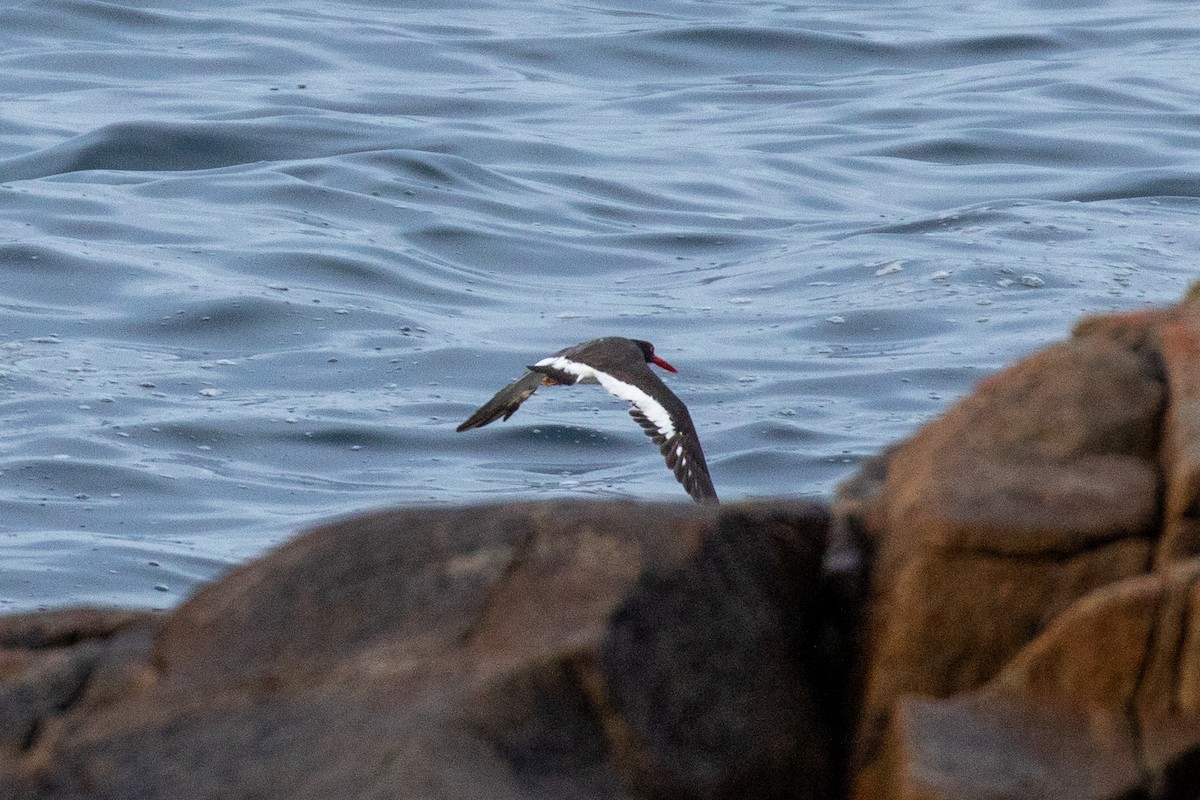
(259, 266)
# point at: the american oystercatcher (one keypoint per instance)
(622, 366)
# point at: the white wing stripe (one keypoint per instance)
(582, 372)
(651, 408)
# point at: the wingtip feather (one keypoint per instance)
(505, 403)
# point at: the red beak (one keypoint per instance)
(663, 364)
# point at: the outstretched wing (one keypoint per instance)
(684, 457)
(506, 402)
(669, 426)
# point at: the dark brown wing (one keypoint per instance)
(683, 455)
(506, 402)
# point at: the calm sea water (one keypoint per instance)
(256, 262)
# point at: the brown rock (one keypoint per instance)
(1101, 706)
(1170, 337)
(1180, 456)
(1033, 491)
(1167, 702)
(1137, 330)
(581, 650)
(54, 660)
(64, 627)
(1002, 748)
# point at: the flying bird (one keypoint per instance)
(622, 366)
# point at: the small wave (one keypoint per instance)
(186, 146)
(1155, 183)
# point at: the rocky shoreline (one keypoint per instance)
(1001, 606)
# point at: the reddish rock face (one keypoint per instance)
(1035, 490)
(579, 650)
(1029, 616)
(1102, 705)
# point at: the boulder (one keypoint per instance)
(541, 650)
(1103, 705)
(1180, 456)
(1031, 563)
(1038, 488)
(47, 658)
